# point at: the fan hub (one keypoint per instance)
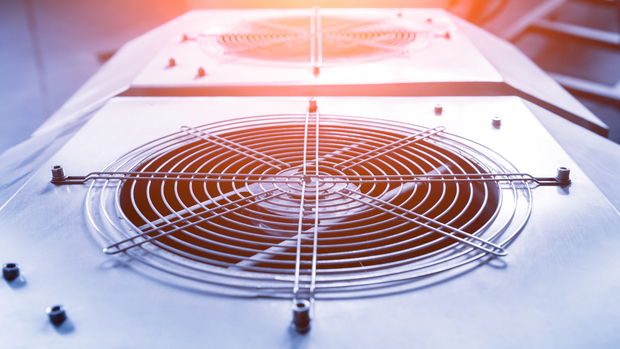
(296, 181)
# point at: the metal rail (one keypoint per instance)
(201, 134)
(497, 250)
(316, 42)
(316, 210)
(271, 42)
(266, 178)
(115, 248)
(301, 210)
(410, 139)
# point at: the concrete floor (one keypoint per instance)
(49, 48)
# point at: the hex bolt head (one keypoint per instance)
(172, 62)
(496, 122)
(58, 173)
(56, 314)
(201, 72)
(10, 271)
(312, 107)
(301, 315)
(563, 175)
(438, 109)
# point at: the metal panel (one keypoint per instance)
(433, 62)
(580, 32)
(556, 288)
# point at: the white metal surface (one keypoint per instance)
(556, 288)
(440, 59)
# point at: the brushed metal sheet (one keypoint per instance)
(453, 59)
(557, 287)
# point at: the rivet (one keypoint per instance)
(56, 314)
(301, 315)
(10, 271)
(201, 72)
(438, 109)
(496, 121)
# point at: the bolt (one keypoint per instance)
(10, 271)
(58, 173)
(201, 72)
(56, 314)
(312, 107)
(438, 109)
(316, 70)
(301, 315)
(496, 121)
(172, 62)
(563, 175)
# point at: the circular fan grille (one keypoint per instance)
(291, 38)
(374, 224)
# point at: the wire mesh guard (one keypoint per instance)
(314, 204)
(316, 39)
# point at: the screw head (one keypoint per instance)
(496, 121)
(57, 314)
(10, 271)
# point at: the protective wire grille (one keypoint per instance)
(316, 39)
(309, 203)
